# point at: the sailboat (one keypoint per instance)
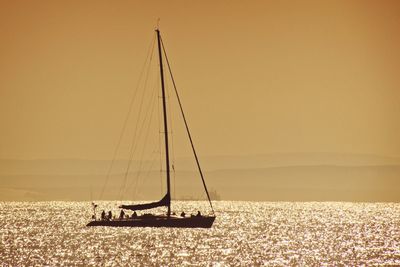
(169, 219)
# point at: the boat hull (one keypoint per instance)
(157, 221)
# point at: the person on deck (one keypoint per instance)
(134, 215)
(122, 214)
(103, 215)
(109, 215)
(198, 214)
(183, 214)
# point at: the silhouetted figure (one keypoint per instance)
(198, 214)
(183, 214)
(121, 214)
(134, 215)
(109, 215)
(103, 215)
(94, 211)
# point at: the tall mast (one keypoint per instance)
(165, 122)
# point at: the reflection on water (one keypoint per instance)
(244, 233)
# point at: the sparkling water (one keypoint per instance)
(243, 234)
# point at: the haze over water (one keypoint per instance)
(244, 234)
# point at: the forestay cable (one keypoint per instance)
(187, 127)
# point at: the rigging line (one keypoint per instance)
(150, 119)
(149, 52)
(146, 175)
(133, 146)
(150, 107)
(187, 127)
(151, 165)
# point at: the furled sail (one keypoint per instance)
(165, 201)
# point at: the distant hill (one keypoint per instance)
(280, 177)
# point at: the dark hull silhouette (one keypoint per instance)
(158, 221)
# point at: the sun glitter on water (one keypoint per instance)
(245, 233)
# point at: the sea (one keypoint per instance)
(243, 234)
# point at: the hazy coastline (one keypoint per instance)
(281, 177)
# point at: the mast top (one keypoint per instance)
(158, 24)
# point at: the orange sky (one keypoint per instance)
(255, 76)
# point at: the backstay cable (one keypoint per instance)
(149, 52)
(134, 141)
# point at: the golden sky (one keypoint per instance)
(255, 76)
